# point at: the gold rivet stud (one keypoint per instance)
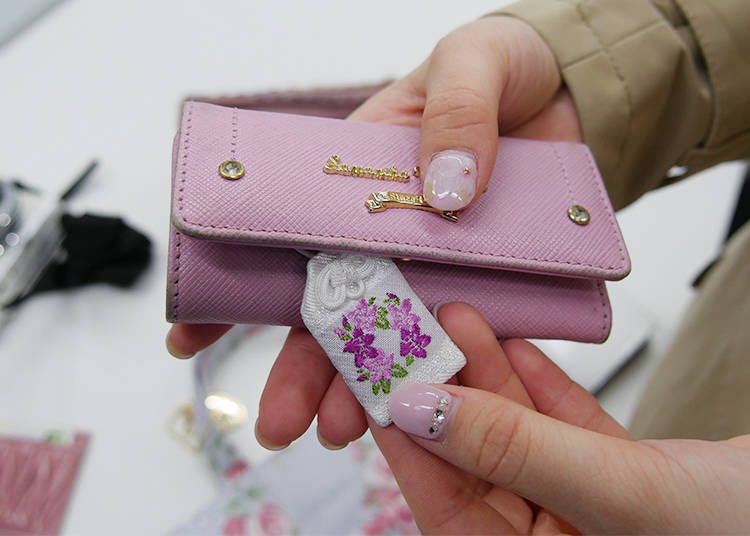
(416, 171)
(231, 169)
(467, 171)
(579, 214)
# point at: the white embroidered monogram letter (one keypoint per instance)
(374, 328)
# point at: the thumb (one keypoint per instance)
(594, 481)
(495, 68)
(459, 131)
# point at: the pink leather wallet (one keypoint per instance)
(252, 191)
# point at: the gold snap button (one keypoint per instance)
(231, 169)
(579, 214)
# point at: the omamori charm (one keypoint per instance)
(375, 330)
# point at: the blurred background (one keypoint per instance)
(84, 79)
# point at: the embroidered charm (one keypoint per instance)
(374, 328)
(359, 331)
(343, 279)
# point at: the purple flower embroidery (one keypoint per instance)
(361, 346)
(363, 316)
(358, 333)
(413, 342)
(379, 366)
(401, 316)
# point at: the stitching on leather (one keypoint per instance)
(188, 126)
(564, 171)
(177, 261)
(603, 297)
(235, 128)
(364, 242)
(610, 216)
(418, 246)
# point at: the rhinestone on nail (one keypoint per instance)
(439, 415)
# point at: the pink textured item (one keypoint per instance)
(36, 482)
(515, 254)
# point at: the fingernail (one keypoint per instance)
(437, 307)
(545, 524)
(174, 352)
(327, 444)
(451, 180)
(421, 409)
(265, 443)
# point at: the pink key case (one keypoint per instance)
(517, 254)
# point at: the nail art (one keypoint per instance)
(439, 416)
(451, 180)
(421, 409)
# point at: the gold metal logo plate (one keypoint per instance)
(334, 166)
(380, 201)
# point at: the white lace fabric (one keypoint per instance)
(376, 331)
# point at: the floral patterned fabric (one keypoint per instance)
(374, 328)
(358, 335)
(354, 493)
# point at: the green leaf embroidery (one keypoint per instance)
(409, 360)
(348, 327)
(399, 371)
(375, 388)
(381, 319)
(386, 386)
(345, 337)
(371, 300)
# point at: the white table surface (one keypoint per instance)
(104, 79)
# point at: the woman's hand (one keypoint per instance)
(494, 75)
(526, 450)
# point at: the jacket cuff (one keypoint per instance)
(641, 100)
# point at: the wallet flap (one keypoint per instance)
(285, 199)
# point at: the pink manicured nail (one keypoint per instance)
(451, 180)
(421, 409)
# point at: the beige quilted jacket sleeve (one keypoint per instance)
(657, 84)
